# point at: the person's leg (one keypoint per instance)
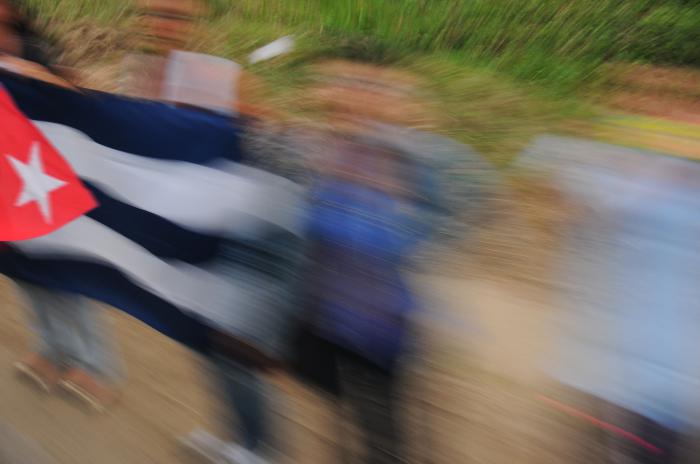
(245, 412)
(44, 363)
(71, 330)
(245, 395)
(46, 323)
(92, 363)
(72, 336)
(94, 350)
(372, 393)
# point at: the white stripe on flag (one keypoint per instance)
(213, 297)
(229, 201)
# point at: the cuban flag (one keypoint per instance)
(132, 202)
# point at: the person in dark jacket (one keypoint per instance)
(363, 224)
(372, 204)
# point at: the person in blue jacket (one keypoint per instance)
(369, 210)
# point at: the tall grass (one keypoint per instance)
(559, 42)
(500, 70)
(562, 42)
(103, 11)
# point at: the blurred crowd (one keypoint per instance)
(378, 186)
(373, 197)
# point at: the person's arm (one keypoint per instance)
(32, 70)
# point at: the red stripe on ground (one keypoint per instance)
(601, 424)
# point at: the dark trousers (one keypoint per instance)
(370, 392)
(368, 389)
(244, 396)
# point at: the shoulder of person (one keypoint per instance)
(32, 70)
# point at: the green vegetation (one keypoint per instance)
(561, 42)
(501, 70)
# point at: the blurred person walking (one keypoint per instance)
(73, 348)
(359, 302)
(238, 360)
(371, 207)
(630, 330)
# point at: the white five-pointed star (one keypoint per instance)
(36, 183)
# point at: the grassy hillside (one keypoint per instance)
(500, 71)
(559, 41)
(562, 42)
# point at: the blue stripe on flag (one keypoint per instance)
(150, 129)
(159, 236)
(108, 285)
(164, 269)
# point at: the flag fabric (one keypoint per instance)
(172, 190)
(39, 192)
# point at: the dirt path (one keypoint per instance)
(484, 344)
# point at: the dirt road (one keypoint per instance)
(472, 399)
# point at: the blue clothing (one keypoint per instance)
(362, 237)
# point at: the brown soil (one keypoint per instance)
(672, 93)
(679, 108)
(471, 400)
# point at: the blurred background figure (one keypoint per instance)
(369, 210)
(164, 27)
(73, 347)
(630, 331)
(254, 344)
(164, 71)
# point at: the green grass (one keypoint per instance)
(560, 42)
(500, 71)
(103, 11)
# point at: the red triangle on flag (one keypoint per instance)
(39, 192)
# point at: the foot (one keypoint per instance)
(89, 389)
(239, 455)
(205, 445)
(40, 370)
(217, 451)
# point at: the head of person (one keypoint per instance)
(361, 101)
(20, 38)
(167, 24)
(359, 91)
(10, 39)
